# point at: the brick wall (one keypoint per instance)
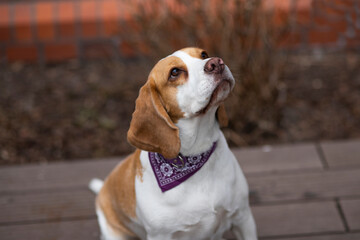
(326, 23)
(55, 30)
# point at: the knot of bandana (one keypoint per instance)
(171, 172)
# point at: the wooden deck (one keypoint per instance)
(300, 192)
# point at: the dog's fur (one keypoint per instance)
(174, 114)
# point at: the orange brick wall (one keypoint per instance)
(55, 30)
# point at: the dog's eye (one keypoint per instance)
(204, 55)
(174, 73)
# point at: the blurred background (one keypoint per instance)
(70, 70)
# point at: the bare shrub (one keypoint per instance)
(242, 32)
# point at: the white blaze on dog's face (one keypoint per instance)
(203, 82)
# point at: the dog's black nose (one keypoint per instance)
(214, 66)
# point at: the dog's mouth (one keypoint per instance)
(225, 85)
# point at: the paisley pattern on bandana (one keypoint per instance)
(171, 172)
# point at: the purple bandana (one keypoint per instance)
(171, 172)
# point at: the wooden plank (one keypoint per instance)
(340, 236)
(342, 153)
(306, 185)
(55, 175)
(278, 158)
(297, 218)
(351, 208)
(78, 173)
(264, 187)
(51, 206)
(273, 220)
(82, 229)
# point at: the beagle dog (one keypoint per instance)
(182, 182)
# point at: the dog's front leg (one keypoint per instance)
(244, 225)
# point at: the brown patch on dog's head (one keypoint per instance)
(152, 126)
(196, 52)
(165, 83)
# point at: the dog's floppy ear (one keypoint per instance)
(151, 128)
(221, 115)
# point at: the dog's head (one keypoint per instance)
(185, 84)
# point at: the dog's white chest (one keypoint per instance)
(200, 208)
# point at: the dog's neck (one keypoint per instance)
(197, 134)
